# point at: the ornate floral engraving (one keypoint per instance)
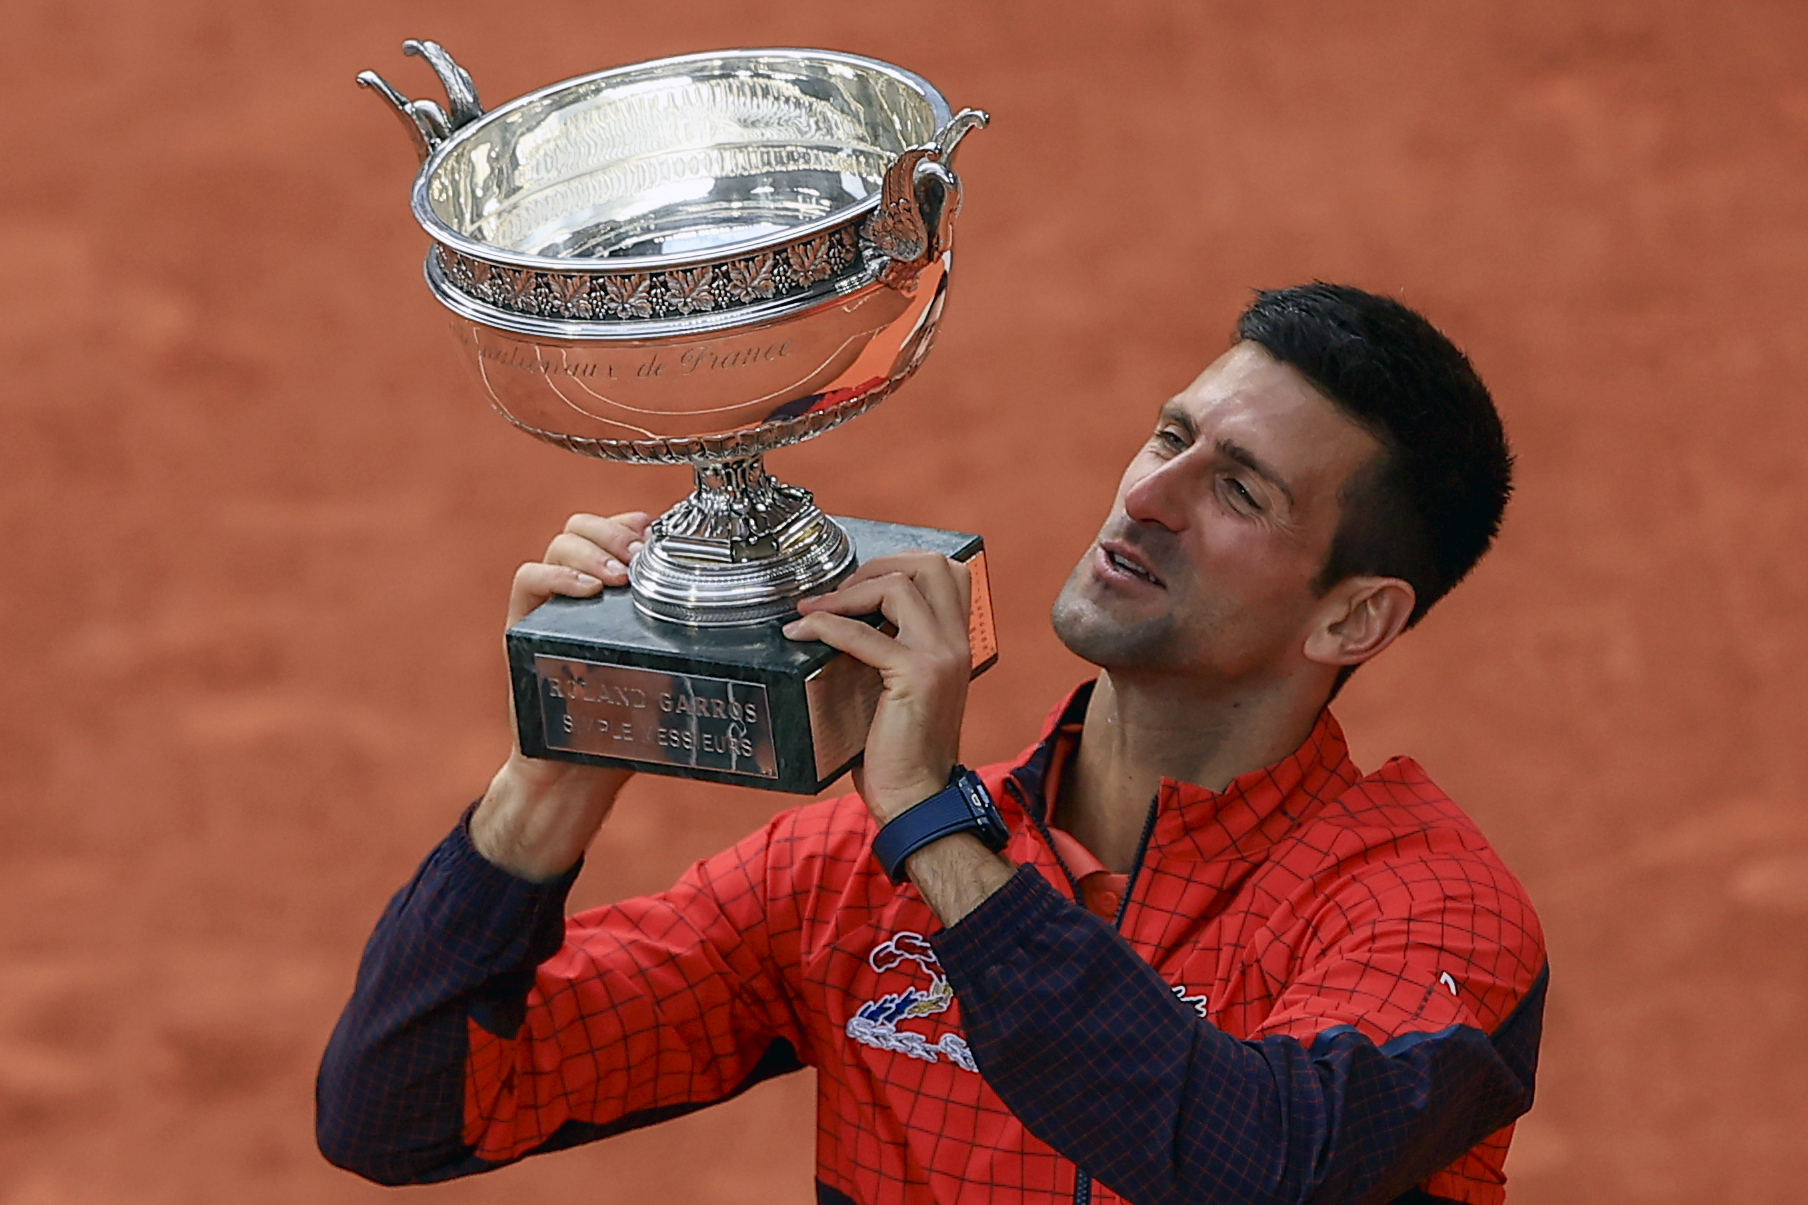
(509, 282)
(540, 294)
(456, 267)
(690, 290)
(571, 293)
(568, 287)
(810, 260)
(630, 296)
(601, 295)
(751, 279)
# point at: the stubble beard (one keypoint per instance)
(1084, 621)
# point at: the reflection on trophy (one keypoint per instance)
(698, 260)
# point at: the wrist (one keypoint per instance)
(888, 804)
(960, 805)
(957, 874)
(537, 817)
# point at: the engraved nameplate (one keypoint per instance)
(653, 716)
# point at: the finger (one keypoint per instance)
(615, 535)
(895, 596)
(940, 583)
(908, 563)
(576, 552)
(640, 523)
(860, 641)
(949, 590)
(536, 581)
(636, 521)
(945, 583)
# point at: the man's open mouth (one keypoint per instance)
(1125, 565)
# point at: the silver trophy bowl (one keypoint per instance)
(695, 260)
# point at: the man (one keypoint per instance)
(1213, 963)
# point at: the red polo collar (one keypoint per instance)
(1239, 823)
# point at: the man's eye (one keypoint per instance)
(1241, 493)
(1170, 439)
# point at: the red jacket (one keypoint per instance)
(1323, 986)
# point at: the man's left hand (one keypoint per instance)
(924, 668)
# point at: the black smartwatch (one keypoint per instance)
(963, 806)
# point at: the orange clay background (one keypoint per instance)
(258, 528)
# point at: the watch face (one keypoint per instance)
(991, 828)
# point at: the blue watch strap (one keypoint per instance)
(962, 806)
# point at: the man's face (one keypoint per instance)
(1221, 524)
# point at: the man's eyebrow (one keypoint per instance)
(1173, 412)
(1231, 450)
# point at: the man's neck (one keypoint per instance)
(1140, 730)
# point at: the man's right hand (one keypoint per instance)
(538, 817)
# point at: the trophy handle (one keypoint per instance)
(427, 123)
(962, 124)
(918, 202)
(461, 93)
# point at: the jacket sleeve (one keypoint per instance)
(1337, 1101)
(484, 1026)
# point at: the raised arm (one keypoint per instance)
(538, 817)
(485, 1026)
(481, 1029)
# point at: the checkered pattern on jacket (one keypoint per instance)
(1326, 988)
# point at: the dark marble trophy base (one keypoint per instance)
(597, 682)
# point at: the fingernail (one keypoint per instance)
(792, 628)
(614, 566)
(585, 580)
(634, 547)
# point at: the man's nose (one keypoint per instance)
(1160, 495)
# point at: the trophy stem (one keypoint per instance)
(739, 550)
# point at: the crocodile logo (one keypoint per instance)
(876, 1023)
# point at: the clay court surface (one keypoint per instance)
(258, 529)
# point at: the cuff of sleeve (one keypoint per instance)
(463, 859)
(1000, 923)
(485, 913)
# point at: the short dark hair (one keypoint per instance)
(1429, 506)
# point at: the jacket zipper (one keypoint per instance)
(1082, 1194)
(1041, 822)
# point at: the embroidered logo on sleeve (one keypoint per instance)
(1198, 1002)
(875, 1023)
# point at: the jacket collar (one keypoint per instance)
(1240, 822)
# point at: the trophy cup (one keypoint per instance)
(697, 260)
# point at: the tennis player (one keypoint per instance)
(1181, 949)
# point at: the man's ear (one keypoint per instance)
(1357, 618)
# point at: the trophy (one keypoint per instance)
(697, 260)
